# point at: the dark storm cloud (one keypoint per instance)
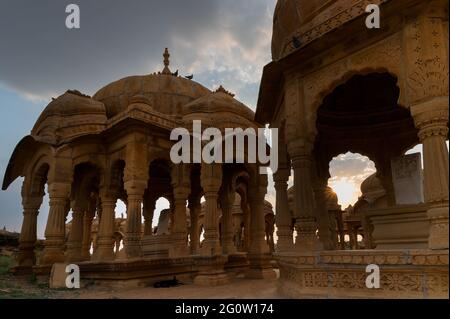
(40, 57)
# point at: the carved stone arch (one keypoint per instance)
(156, 153)
(37, 172)
(315, 95)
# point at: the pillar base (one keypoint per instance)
(260, 267)
(211, 271)
(74, 255)
(178, 251)
(22, 270)
(178, 247)
(49, 257)
(103, 254)
(438, 238)
(25, 257)
(133, 249)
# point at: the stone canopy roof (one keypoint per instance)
(162, 101)
(309, 20)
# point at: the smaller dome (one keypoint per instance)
(331, 199)
(70, 115)
(220, 109)
(372, 189)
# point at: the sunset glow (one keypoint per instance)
(347, 172)
(346, 190)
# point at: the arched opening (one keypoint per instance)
(347, 172)
(84, 201)
(158, 223)
(353, 157)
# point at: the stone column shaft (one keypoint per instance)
(227, 230)
(55, 231)
(28, 237)
(87, 236)
(306, 223)
(211, 243)
(75, 235)
(104, 247)
(283, 218)
(195, 209)
(148, 211)
(132, 242)
(431, 118)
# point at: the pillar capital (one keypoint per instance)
(300, 147)
(281, 176)
(135, 187)
(31, 204)
(58, 190)
(211, 178)
(431, 117)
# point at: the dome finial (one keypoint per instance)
(166, 56)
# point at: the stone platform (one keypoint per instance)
(142, 272)
(342, 274)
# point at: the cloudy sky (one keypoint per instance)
(219, 41)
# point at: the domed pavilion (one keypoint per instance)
(93, 151)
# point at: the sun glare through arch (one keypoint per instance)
(347, 172)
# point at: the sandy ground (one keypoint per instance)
(239, 288)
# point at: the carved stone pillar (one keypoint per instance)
(135, 193)
(181, 190)
(226, 203)
(211, 180)
(179, 229)
(148, 210)
(76, 233)
(305, 221)
(211, 261)
(87, 231)
(104, 243)
(283, 218)
(27, 240)
(259, 254)
(56, 224)
(195, 210)
(431, 118)
(340, 226)
(325, 226)
(247, 219)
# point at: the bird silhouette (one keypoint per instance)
(296, 42)
(175, 74)
(189, 77)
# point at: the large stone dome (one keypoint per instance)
(306, 20)
(166, 93)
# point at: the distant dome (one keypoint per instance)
(372, 188)
(70, 115)
(331, 199)
(299, 17)
(221, 109)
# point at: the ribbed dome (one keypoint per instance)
(371, 184)
(298, 18)
(70, 115)
(166, 93)
(219, 108)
